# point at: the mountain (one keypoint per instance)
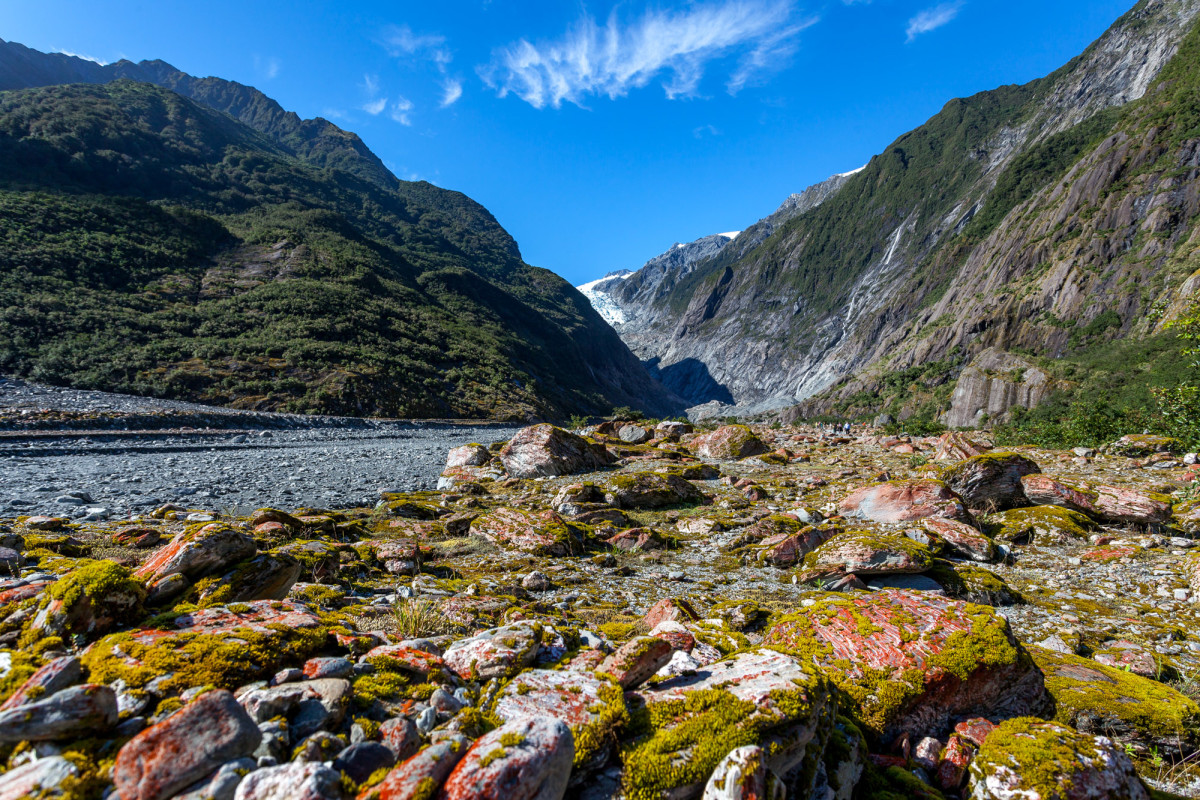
(157, 246)
(1033, 221)
(316, 141)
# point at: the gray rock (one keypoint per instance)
(291, 782)
(72, 713)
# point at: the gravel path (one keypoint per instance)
(327, 463)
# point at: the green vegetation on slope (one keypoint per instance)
(157, 247)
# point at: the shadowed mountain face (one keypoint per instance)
(1036, 218)
(245, 257)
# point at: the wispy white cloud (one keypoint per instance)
(452, 90)
(401, 41)
(84, 56)
(375, 107)
(933, 18)
(705, 130)
(400, 111)
(267, 68)
(613, 58)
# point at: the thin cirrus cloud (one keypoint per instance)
(403, 43)
(932, 18)
(616, 57)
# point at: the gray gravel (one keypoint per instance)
(327, 463)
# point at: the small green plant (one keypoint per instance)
(917, 460)
(419, 617)
(626, 413)
(576, 422)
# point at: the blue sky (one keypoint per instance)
(598, 133)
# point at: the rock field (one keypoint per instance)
(628, 611)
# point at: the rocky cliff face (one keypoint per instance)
(1013, 219)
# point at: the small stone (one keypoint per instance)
(291, 782)
(536, 582)
(362, 760)
(637, 660)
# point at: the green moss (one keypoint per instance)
(226, 660)
(973, 584)
(1148, 707)
(1045, 755)
(21, 667)
(426, 789)
(1057, 525)
(611, 715)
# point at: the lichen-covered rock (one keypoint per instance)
(650, 490)
(1127, 506)
(973, 584)
(41, 778)
(220, 647)
(469, 455)
(962, 539)
(420, 777)
(669, 609)
(539, 533)
(743, 775)
(407, 659)
(787, 551)
(1044, 490)
(593, 708)
(1042, 525)
(1029, 759)
(957, 446)
(757, 697)
(1138, 445)
(634, 662)
(991, 481)
(166, 758)
(866, 553)
(267, 576)
(196, 553)
(544, 450)
(904, 501)
(79, 711)
(295, 781)
(91, 600)
(496, 653)
(525, 759)
(50, 678)
(914, 662)
(729, 443)
(634, 434)
(1129, 708)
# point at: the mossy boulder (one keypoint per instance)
(866, 553)
(973, 584)
(1128, 707)
(650, 490)
(914, 662)
(991, 481)
(1138, 445)
(1032, 759)
(685, 726)
(198, 551)
(729, 443)
(1041, 525)
(267, 576)
(538, 533)
(547, 451)
(219, 647)
(92, 600)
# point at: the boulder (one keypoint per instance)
(962, 539)
(42, 778)
(526, 759)
(496, 653)
(743, 775)
(1129, 708)
(1043, 490)
(1042, 525)
(914, 662)
(758, 697)
(1140, 445)
(295, 781)
(634, 434)
(669, 609)
(50, 678)
(268, 576)
(1029, 759)
(91, 600)
(166, 758)
(904, 501)
(416, 662)
(787, 551)
(196, 553)
(539, 533)
(469, 455)
(424, 773)
(362, 760)
(1126, 507)
(636, 661)
(956, 446)
(74, 713)
(866, 553)
(544, 450)
(991, 481)
(729, 443)
(650, 490)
